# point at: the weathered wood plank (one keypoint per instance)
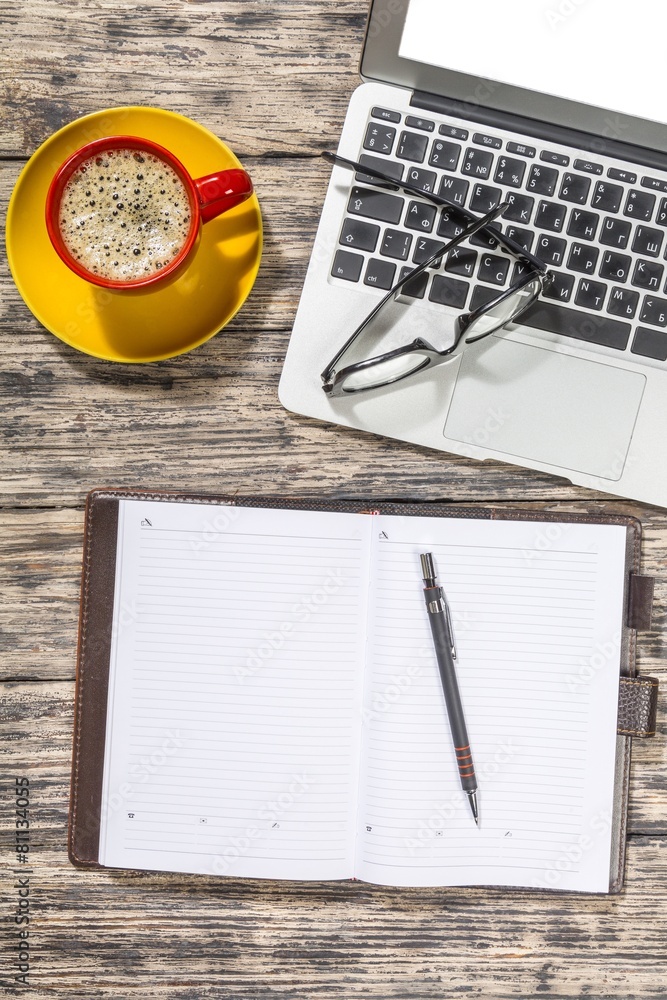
(269, 77)
(187, 937)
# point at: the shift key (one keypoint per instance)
(375, 205)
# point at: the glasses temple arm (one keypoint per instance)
(436, 199)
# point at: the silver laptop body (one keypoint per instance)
(577, 388)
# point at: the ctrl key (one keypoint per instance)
(347, 265)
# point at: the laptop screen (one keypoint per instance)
(592, 66)
(604, 52)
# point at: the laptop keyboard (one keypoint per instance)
(601, 229)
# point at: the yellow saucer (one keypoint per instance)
(138, 325)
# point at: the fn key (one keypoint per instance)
(347, 265)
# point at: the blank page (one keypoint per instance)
(235, 689)
(537, 611)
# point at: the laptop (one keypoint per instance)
(559, 109)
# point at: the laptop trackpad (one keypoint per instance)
(551, 408)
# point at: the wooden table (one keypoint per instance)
(274, 80)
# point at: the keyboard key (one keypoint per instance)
(583, 258)
(416, 287)
(615, 233)
(639, 205)
(375, 205)
(453, 132)
(524, 237)
(607, 197)
(615, 266)
(385, 115)
(542, 180)
(454, 189)
(448, 291)
(396, 244)
(654, 311)
(590, 294)
(450, 224)
(560, 287)
(484, 198)
(421, 123)
(550, 250)
(574, 189)
(490, 141)
(623, 302)
(648, 274)
(460, 260)
(477, 163)
(445, 155)
(661, 217)
(650, 344)
(482, 239)
(380, 273)
(588, 167)
(568, 322)
(509, 172)
(520, 270)
(347, 265)
(412, 146)
(481, 295)
(559, 158)
(647, 242)
(493, 270)
(390, 167)
(359, 235)
(520, 149)
(622, 175)
(520, 208)
(420, 216)
(654, 184)
(425, 249)
(424, 179)
(550, 215)
(583, 225)
(379, 138)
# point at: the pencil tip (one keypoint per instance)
(472, 799)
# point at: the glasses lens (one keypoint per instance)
(385, 372)
(504, 312)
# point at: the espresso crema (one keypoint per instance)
(124, 214)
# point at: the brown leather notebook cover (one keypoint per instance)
(637, 698)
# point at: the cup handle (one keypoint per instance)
(222, 191)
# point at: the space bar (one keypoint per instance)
(582, 326)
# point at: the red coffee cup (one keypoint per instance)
(209, 197)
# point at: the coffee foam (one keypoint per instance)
(124, 214)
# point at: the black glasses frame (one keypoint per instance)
(334, 381)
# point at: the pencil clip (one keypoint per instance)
(450, 629)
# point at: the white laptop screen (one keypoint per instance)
(606, 53)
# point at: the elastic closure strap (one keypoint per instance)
(637, 706)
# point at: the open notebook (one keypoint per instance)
(258, 694)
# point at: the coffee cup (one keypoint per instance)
(123, 212)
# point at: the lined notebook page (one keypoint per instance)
(537, 609)
(235, 691)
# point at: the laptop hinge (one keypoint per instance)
(558, 134)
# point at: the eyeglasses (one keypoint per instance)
(506, 307)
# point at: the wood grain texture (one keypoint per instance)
(273, 79)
